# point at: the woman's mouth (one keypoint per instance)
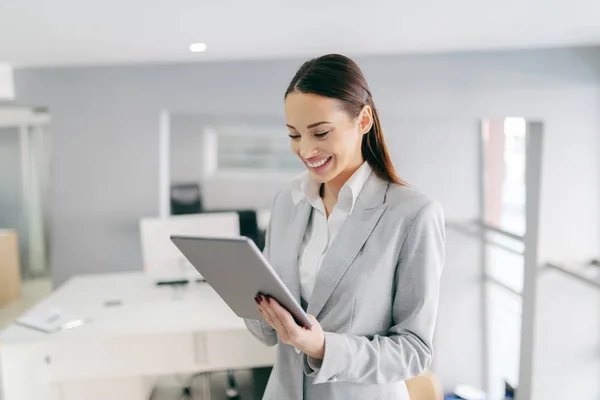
(319, 165)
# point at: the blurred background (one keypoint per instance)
(124, 122)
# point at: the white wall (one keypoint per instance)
(243, 191)
(186, 149)
(567, 361)
(221, 190)
(104, 177)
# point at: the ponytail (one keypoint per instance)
(375, 152)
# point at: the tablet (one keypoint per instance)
(237, 270)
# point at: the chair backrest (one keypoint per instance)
(186, 198)
(263, 217)
(424, 387)
(161, 257)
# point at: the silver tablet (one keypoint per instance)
(237, 270)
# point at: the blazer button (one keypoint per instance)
(297, 351)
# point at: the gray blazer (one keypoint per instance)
(375, 295)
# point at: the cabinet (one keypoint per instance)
(10, 273)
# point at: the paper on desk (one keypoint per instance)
(51, 321)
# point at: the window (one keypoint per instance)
(504, 142)
(504, 146)
(244, 148)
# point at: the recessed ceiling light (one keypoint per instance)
(198, 47)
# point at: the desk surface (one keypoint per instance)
(145, 309)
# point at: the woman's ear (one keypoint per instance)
(365, 120)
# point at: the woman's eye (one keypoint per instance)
(293, 136)
(320, 135)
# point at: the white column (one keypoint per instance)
(164, 165)
(531, 267)
(7, 86)
(209, 152)
(25, 149)
(36, 204)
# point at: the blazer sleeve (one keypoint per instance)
(406, 349)
(260, 329)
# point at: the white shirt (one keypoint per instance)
(321, 230)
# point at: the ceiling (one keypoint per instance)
(79, 32)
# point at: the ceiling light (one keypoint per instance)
(197, 47)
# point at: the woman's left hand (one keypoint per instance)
(311, 341)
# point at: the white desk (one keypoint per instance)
(156, 331)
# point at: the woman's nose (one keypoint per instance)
(308, 150)
(308, 153)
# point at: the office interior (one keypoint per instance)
(109, 143)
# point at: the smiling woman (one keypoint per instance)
(342, 109)
(359, 249)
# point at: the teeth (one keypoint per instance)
(318, 164)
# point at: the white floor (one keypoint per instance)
(168, 388)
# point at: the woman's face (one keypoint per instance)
(324, 136)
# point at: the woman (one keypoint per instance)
(360, 250)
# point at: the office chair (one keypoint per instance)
(249, 227)
(248, 222)
(186, 198)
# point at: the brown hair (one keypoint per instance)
(338, 77)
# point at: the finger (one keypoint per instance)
(263, 311)
(312, 320)
(267, 311)
(286, 319)
(267, 317)
(268, 305)
(285, 316)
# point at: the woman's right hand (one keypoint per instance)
(311, 341)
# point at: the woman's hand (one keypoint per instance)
(311, 341)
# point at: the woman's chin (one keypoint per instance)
(322, 178)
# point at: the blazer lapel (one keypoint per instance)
(352, 236)
(298, 222)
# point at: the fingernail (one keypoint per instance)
(257, 300)
(269, 300)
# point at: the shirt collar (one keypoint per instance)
(304, 187)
